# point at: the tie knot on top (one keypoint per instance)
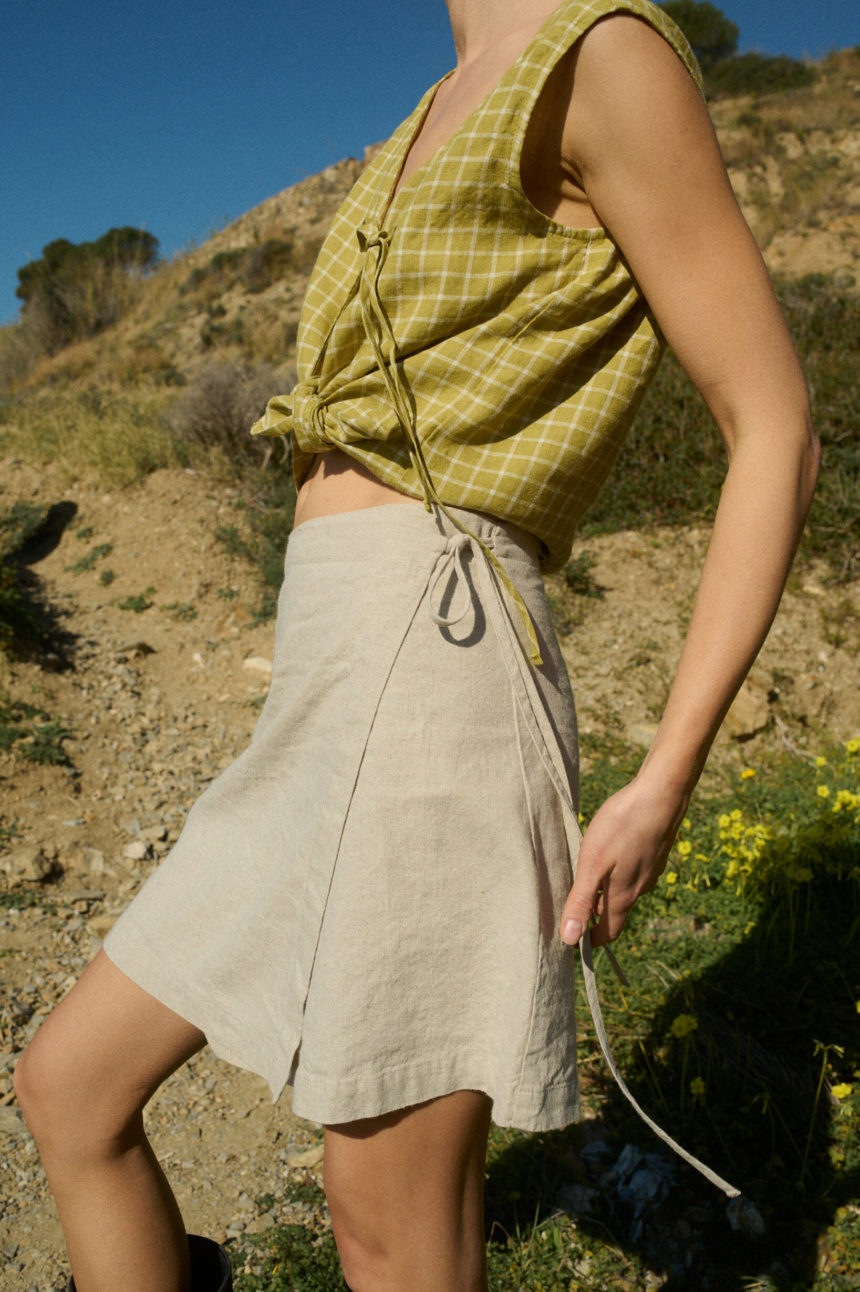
(308, 416)
(370, 236)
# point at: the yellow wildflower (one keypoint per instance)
(684, 848)
(823, 791)
(842, 1091)
(747, 773)
(697, 1087)
(671, 877)
(686, 823)
(683, 1025)
(853, 746)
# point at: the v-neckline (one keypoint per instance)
(430, 96)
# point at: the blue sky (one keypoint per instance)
(176, 116)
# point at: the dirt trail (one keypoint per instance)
(160, 701)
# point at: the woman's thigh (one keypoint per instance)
(100, 1056)
(406, 1192)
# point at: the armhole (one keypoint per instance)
(559, 48)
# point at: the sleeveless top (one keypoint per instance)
(466, 348)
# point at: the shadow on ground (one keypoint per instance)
(31, 626)
(766, 1120)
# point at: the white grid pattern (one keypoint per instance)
(526, 345)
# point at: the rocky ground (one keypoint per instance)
(159, 700)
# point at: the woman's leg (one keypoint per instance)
(406, 1195)
(82, 1084)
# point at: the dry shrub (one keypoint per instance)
(306, 250)
(222, 401)
(19, 353)
(269, 335)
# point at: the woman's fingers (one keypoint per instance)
(621, 857)
(578, 910)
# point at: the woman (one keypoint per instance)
(374, 902)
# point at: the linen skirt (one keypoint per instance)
(365, 904)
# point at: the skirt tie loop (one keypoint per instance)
(451, 560)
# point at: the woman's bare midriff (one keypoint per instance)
(337, 483)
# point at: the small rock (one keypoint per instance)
(748, 714)
(137, 850)
(29, 863)
(642, 733)
(257, 664)
(132, 826)
(12, 1122)
(310, 1158)
(95, 861)
(101, 925)
(155, 833)
(745, 1217)
(135, 649)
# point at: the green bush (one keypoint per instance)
(256, 267)
(758, 74)
(711, 34)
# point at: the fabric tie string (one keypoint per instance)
(530, 707)
(372, 239)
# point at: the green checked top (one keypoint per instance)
(466, 348)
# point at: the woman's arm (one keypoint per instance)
(638, 135)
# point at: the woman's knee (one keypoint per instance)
(86, 1075)
(67, 1106)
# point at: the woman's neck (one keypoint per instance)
(479, 25)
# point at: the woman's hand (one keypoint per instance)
(622, 856)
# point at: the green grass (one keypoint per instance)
(21, 899)
(137, 603)
(185, 612)
(114, 438)
(19, 523)
(267, 513)
(86, 563)
(33, 734)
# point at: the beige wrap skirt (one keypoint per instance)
(365, 904)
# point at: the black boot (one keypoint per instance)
(210, 1266)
